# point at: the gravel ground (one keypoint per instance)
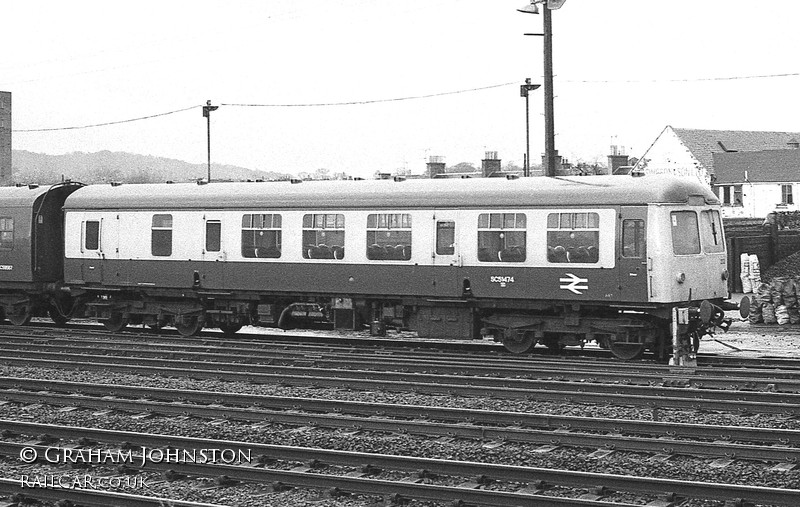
(754, 340)
(742, 340)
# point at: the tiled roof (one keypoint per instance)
(704, 143)
(779, 166)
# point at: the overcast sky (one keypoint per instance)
(624, 70)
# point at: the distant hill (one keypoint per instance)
(107, 166)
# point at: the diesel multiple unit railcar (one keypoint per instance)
(554, 261)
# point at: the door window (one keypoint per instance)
(213, 236)
(445, 238)
(91, 235)
(161, 244)
(633, 238)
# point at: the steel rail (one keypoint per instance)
(364, 379)
(694, 399)
(616, 435)
(31, 391)
(89, 497)
(467, 469)
(358, 343)
(25, 389)
(641, 374)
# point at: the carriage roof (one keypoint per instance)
(389, 194)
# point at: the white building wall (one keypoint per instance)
(760, 199)
(668, 155)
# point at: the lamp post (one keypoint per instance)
(207, 114)
(523, 91)
(550, 153)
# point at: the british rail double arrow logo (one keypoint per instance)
(573, 283)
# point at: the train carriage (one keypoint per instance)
(31, 250)
(556, 261)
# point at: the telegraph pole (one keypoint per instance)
(207, 114)
(549, 124)
(523, 91)
(550, 153)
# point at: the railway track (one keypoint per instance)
(782, 379)
(518, 485)
(355, 343)
(554, 390)
(766, 389)
(778, 446)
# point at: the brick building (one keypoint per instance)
(5, 139)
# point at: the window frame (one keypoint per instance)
(568, 222)
(445, 248)
(396, 225)
(683, 233)
(95, 247)
(639, 238)
(494, 228)
(159, 232)
(321, 224)
(6, 245)
(787, 193)
(273, 225)
(717, 236)
(217, 236)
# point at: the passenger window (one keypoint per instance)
(573, 238)
(323, 236)
(445, 238)
(711, 227)
(161, 245)
(389, 237)
(213, 235)
(261, 236)
(6, 233)
(633, 238)
(501, 237)
(685, 234)
(91, 235)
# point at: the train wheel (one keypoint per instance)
(230, 329)
(518, 343)
(188, 326)
(56, 316)
(20, 315)
(627, 350)
(117, 322)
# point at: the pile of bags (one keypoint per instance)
(750, 273)
(776, 302)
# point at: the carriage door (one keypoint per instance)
(632, 254)
(92, 250)
(446, 255)
(213, 253)
(445, 248)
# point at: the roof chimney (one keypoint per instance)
(616, 159)
(490, 164)
(435, 166)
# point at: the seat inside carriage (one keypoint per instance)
(512, 254)
(397, 252)
(574, 255)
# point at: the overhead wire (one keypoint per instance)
(397, 99)
(109, 122)
(374, 101)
